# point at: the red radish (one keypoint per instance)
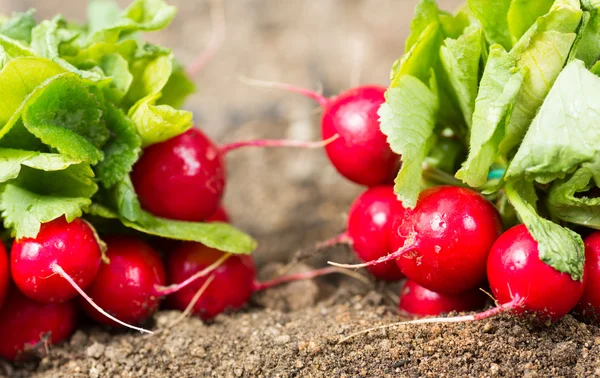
(219, 216)
(124, 287)
(443, 243)
(234, 279)
(589, 304)
(59, 246)
(416, 301)
(520, 282)
(4, 274)
(370, 228)
(27, 325)
(361, 153)
(183, 178)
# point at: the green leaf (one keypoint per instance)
(19, 26)
(12, 160)
(66, 115)
(460, 59)
(408, 119)
(122, 149)
(493, 16)
(14, 48)
(419, 60)
(157, 123)
(102, 14)
(150, 75)
(570, 200)
(588, 49)
(178, 87)
(523, 13)
(541, 54)
(74, 181)
(24, 211)
(18, 79)
(141, 15)
(217, 235)
(117, 68)
(426, 13)
(558, 247)
(498, 91)
(565, 132)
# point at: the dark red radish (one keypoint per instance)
(184, 177)
(361, 153)
(191, 265)
(231, 288)
(443, 243)
(4, 274)
(370, 227)
(416, 301)
(38, 265)
(219, 216)
(30, 326)
(124, 287)
(589, 304)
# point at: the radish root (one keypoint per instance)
(61, 272)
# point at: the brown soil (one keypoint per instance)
(270, 342)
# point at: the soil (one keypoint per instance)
(289, 200)
(305, 342)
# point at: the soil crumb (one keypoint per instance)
(272, 342)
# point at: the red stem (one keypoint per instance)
(409, 245)
(258, 286)
(322, 100)
(276, 143)
(342, 238)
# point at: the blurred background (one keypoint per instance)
(286, 198)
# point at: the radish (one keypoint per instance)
(28, 326)
(124, 287)
(370, 227)
(443, 243)
(4, 274)
(589, 304)
(416, 301)
(521, 284)
(361, 153)
(233, 279)
(39, 264)
(183, 178)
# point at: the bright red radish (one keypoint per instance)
(589, 304)
(370, 227)
(516, 274)
(191, 265)
(4, 274)
(124, 287)
(27, 325)
(361, 153)
(416, 301)
(184, 177)
(443, 243)
(38, 265)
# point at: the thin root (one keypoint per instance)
(192, 303)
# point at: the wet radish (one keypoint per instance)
(443, 243)
(28, 326)
(38, 264)
(124, 287)
(184, 177)
(416, 301)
